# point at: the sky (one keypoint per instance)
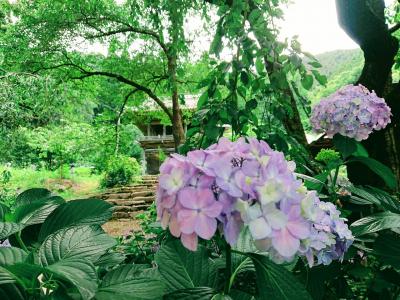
(316, 24)
(313, 21)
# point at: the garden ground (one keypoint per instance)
(77, 184)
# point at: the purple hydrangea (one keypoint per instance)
(5, 244)
(235, 184)
(352, 111)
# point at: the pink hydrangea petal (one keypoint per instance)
(187, 220)
(169, 201)
(232, 229)
(190, 241)
(310, 258)
(213, 210)
(205, 227)
(174, 227)
(259, 229)
(195, 198)
(165, 218)
(276, 218)
(299, 228)
(285, 243)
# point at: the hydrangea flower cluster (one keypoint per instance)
(235, 184)
(352, 111)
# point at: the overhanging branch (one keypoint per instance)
(394, 28)
(125, 80)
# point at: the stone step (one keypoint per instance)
(121, 215)
(148, 181)
(128, 189)
(128, 195)
(126, 215)
(123, 202)
(126, 202)
(130, 208)
(117, 201)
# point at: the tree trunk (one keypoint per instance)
(117, 134)
(364, 22)
(172, 56)
(177, 125)
(292, 123)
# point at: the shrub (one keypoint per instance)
(120, 170)
(140, 246)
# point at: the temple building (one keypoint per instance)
(157, 140)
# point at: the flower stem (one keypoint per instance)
(20, 242)
(335, 177)
(228, 269)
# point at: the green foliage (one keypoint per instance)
(141, 245)
(80, 181)
(120, 170)
(327, 155)
(275, 282)
(183, 269)
(65, 254)
(7, 196)
(341, 67)
(370, 269)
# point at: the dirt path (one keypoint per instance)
(121, 227)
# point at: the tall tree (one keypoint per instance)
(364, 21)
(145, 38)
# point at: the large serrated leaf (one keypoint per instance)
(371, 195)
(76, 212)
(36, 212)
(11, 291)
(3, 211)
(6, 276)
(130, 282)
(31, 196)
(345, 145)
(240, 295)
(11, 255)
(70, 252)
(197, 293)
(25, 271)
(9, 228)
(182, 269)
(122, 273)
(378, 168)
(376, 222)
(80, 242)
(275, 282)
(79, 272)
(245, 243)
(387, 248)
(110, 260)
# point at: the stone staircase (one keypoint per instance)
(129, 200)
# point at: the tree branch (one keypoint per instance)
(136, 85)
(120, 78)
(121, 111)
(127, 28)
(394, 28)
